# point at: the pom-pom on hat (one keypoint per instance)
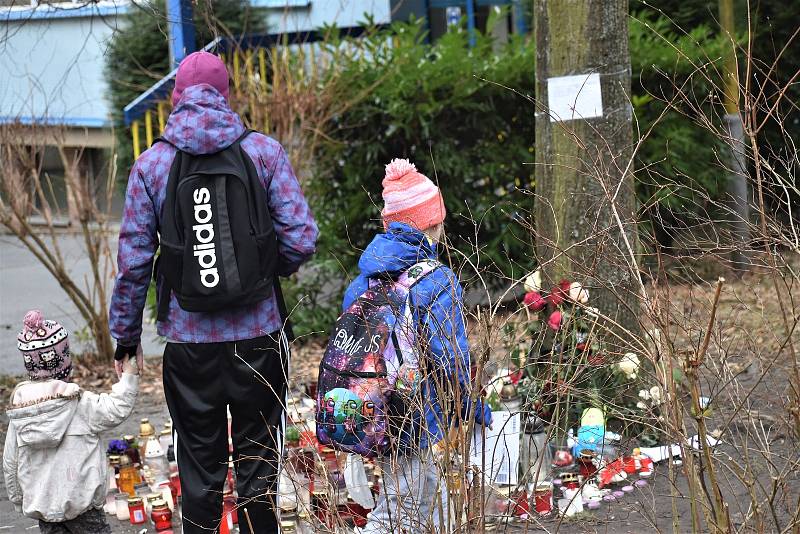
(410, 197)
(45, 348)
(200, 67)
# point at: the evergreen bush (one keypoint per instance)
(465, 117)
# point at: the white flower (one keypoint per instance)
(533, 282)
(641, 405)
(497, 382)
(629, 365)
(495, 386)
(644, 394)
(655, 394)
(578, 293)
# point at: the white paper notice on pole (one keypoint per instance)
(501, 448)
(574, 97)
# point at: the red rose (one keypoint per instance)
(534, 301)
(554, 321)
(516, 376)
(559, 293)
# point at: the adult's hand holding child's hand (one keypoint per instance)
(130, 366)
(128, 360)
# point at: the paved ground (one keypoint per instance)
(25, 284)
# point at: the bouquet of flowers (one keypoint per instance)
(569, 367)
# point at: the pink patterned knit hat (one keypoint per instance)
(44, 347)
(410, 197)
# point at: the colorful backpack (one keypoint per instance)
(370, 356)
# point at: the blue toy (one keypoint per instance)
(591, 432)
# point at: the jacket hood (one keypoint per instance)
(396, 250)
(42, 424)
(202, 122)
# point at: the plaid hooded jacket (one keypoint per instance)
(201, 123)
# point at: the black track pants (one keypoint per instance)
(200, 380)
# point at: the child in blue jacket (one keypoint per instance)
(414, 496)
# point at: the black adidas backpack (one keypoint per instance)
(218, 244)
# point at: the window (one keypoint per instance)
(441, 18)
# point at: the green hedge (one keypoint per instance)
(465, 117)
(450, 110)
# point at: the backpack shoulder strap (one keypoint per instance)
(160, 139)
(406, 281)
(247, 131)
(417, 272)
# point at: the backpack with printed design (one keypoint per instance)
(370, 357)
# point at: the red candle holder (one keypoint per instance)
(229, 507)
(586, 465)
(543, 499)
(357, 513)
(570, 481)
(161, 516)
(175, 486)
(136, 511)
(522, 506)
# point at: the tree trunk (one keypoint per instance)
(585, 207)
(737, 184)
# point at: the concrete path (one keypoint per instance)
(25, 284)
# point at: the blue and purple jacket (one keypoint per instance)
(202, 123)
(438, 307)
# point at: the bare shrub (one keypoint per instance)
(29, 210)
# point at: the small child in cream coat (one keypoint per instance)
(54, 461)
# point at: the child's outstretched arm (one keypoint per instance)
(10, 469)
(106, 410)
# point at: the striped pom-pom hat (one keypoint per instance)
(410, 197)
(45, 348)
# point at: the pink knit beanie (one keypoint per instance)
(410, 197)
(44, 347)
(197, 68)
